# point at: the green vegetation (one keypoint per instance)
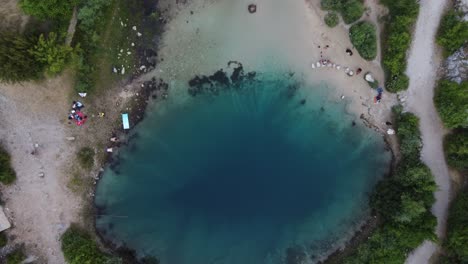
(456, 149)
(49, 9)
(451, 100)
(16, 257)
(7, 174)
(331, 19)
(364, 38)
(350, 10)
(16, 62)
(86, 157)
(51, 53)
(402, 201)
(456, 245)
(79, 248)
(397, 40)
(3, 239)
(453, 32)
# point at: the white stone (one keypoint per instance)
(123, 70)
(128, 52)
(313, 65)
(133, 44)
(114, 70)
(134, 27)
(142, 67)
(139, 34)
(368, 77)
(390, 131)
(319, 64)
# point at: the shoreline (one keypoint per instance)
(145, 95)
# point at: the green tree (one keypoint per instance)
(49, 9)
(456, 149)
(7, 174)
(397, 40)
(363, 37)
(453, 32)
(451, 100)
(51, 53)
(16, 257)
(86, 157)
(3, 239)
(331, 19)
(351, 10)
(457, 231)
(16, 62)
(79, 248)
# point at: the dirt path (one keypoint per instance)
(39, 205)
(423, 62)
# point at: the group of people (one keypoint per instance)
(379, 95)
(76, 114)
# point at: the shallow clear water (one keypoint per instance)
(242, 176)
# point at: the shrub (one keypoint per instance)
(397, 40)
(3, 239)
(457, 231)
(451, 100)
(407, 130)
(49, 9)
(453, 32)
(79, 248)
(398, 83)
(350, 10)
(331, 5)
(456, 149)
(51, 53)
(16, 62)
(7, 174)
(363, 37)
(332, 19)
(90, 12)
(16, 257)
(86, 157)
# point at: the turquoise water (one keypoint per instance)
(266, 172)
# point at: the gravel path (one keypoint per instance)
(423, 62)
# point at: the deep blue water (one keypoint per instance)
(242, 176)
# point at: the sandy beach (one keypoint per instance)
(41, 206)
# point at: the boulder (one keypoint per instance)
(368, 77)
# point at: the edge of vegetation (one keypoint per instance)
(7, 173)
(402, 202)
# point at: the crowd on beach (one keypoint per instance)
(323, 62)
(76, 113)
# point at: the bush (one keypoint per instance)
(407, 130)
(457, 231)
(79, 248)
(363, 37)
(49, 9)
(16, 62)
(86, 157)
(456, 149)
(3, 240)
(453, 32)
(332, 19)
(350, 10)
(7, 174)
(397, 40)
(90, 12)
(451, 100)
(16, 257)
(51, 53)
